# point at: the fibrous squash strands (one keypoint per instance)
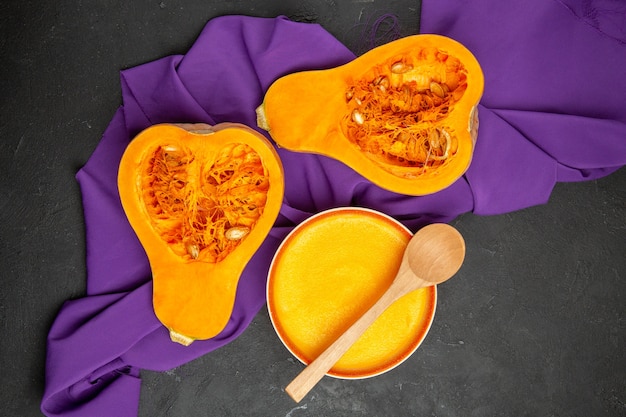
(397, 112)
(201, 210)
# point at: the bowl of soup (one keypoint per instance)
(327, 272)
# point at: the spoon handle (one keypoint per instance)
(312, 374)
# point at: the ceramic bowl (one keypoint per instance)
(327, 272)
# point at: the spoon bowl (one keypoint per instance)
(433, 255)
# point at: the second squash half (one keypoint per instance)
(403, 115)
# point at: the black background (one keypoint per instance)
(533, 325)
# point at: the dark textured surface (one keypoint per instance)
(533, 325)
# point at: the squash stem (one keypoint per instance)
(180, 338)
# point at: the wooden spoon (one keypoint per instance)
(433, 255)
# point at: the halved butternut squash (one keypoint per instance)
(403, 115)
(201, 200)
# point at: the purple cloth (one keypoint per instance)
(551, 112)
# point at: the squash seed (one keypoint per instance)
(382, 82)
(237, 232)
(193, 250)
(446, 146)
(433, 139)
(400, 67)
(446, 136)
(357, 117)
(437, 89)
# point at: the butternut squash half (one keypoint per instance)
(403, 115)
(201, 200)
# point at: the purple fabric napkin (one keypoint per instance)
(551, 113)
(555, 79)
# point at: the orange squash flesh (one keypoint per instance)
(326, 274)
(201, 200)
(403, 115)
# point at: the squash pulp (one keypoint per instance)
(327, 272)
